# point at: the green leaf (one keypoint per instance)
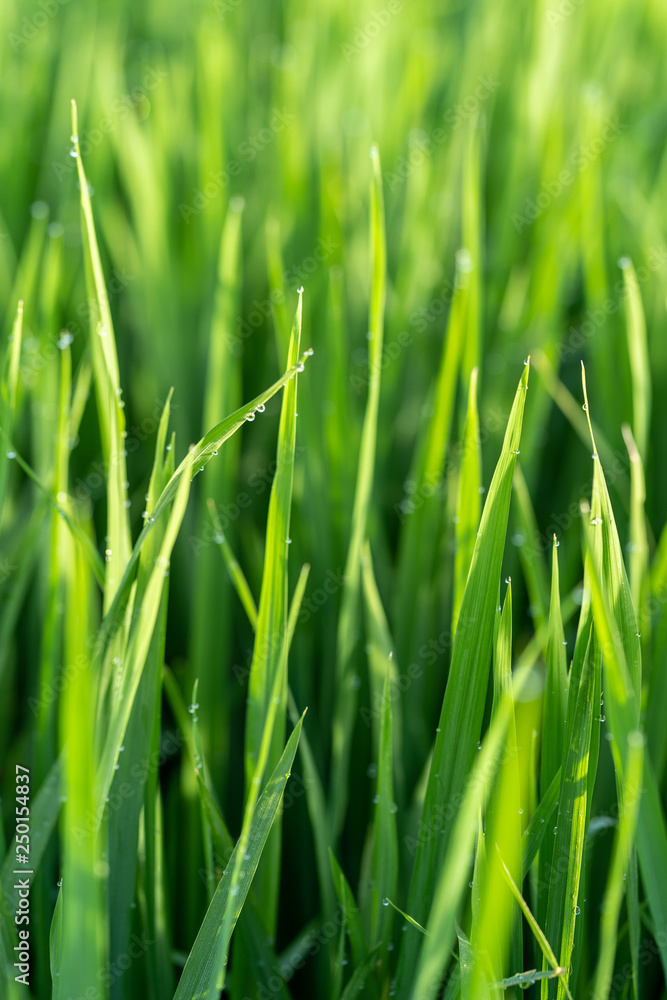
(344, 710)
(623, 843)
(570, 831)
(469, 501)
(465, 695)
(451, 881)
(555, 688)
(209, 952)
(268, 671)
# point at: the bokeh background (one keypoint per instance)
(523, 159)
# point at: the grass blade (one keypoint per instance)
(209, 952)
(463, 706)
(469, 499)
(347, 622)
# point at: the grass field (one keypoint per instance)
(333, 563)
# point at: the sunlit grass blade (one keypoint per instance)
(269, 660)
(194, 463)
(532, 560)
(140, 743)
(380, 651)
(345, 693)
(555, 690)
(8, 393)
(638, 545)
(640, 368)
(84, 871)
(463, 705)
(139, 640)
(384, 864)
(108, 389)
(469, 501)
(56, 946)
(545, 947)
(496, 933)
(620, 703)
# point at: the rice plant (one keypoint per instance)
(332, 551)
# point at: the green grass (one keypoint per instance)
(334, 644)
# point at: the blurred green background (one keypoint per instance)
(523, 155)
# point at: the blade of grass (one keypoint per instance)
(108, 389)
(465, 695)
(269, 659)
(384, 864)
(632, 790)
(640, 368)
(469, 501)
(570, 831)
(345, 692)
(451, 880)
(208, 956)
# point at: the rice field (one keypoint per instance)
(333, 562)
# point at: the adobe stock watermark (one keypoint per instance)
(444, 812)
(310, 605)
(595, 318)
(425, 143)
(111, 971)
(565, 9)
(225, 7)
(542, 541)
(420, 319)
(169, 745)
(365, 33)
(31, 26)
(578, 160)
(259, 481)
(284, 970)
(260, 311)
(246, 152)
(120, 108)
(35, 360)
(134, 437)
(417, 494)
(6, 570)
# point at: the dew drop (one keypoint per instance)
(250, 416)
(260, 409)
(577, 911)
(11, 454)
(385, 902)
